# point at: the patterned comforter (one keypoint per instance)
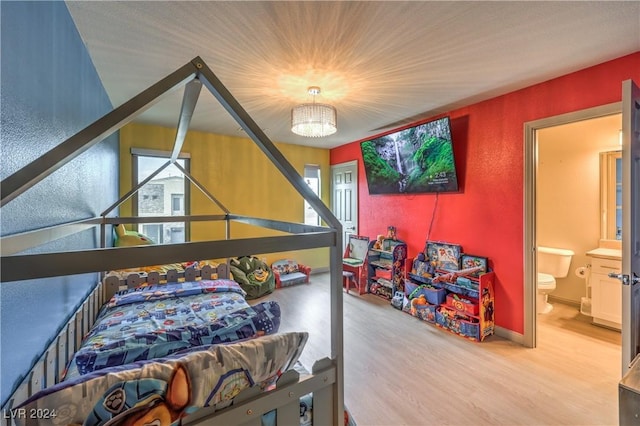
(163, 352)
(156, 321)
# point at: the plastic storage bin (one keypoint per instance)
(425, 312)
(435, 296)
(409, 287)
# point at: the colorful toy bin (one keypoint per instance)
(434, 295)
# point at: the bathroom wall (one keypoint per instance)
(568, 192)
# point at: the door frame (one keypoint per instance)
(530, 173)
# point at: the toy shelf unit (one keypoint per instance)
(386, 261)
(453, 290)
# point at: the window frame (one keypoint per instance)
(312, 171)
(136, 153)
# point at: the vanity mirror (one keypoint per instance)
(611, 199)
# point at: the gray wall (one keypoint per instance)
(50, 90)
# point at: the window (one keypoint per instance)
(177, 204)
(312, 178)
(153, 231)
(164, 195)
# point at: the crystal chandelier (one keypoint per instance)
(313, 120)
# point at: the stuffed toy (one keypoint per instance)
(253, 275)
(391, 232)
(378, 245)
(125, 238)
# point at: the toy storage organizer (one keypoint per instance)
(452, 290)
(385, 265)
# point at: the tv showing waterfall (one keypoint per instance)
(417, 159)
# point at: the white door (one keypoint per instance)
(344, 197)
(630, 223)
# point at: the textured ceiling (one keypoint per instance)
(381, 64)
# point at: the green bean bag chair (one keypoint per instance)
(253, 275)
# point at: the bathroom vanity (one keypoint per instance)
(606, 292)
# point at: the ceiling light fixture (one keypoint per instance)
(314, 120)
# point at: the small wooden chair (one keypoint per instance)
(348, 280)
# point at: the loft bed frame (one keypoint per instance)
(326, 380)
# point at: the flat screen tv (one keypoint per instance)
(417, 159)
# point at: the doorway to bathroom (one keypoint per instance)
(576, 174)
(572, 183)
(565, 189)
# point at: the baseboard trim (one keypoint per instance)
(510, 335)
(320, 270)
(569, 302)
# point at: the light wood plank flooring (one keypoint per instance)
(401, 371)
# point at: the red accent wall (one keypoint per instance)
(487, 217)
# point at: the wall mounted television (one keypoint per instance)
(417, 159)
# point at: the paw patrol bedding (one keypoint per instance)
(164, 391)
(155, 321)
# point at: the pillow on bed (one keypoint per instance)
(174, 386)
(147, 293)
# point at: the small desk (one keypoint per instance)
(355, 260)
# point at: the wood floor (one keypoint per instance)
(402, 371)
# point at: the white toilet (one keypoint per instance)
(552, 263)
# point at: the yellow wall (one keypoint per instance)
(236, 172)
